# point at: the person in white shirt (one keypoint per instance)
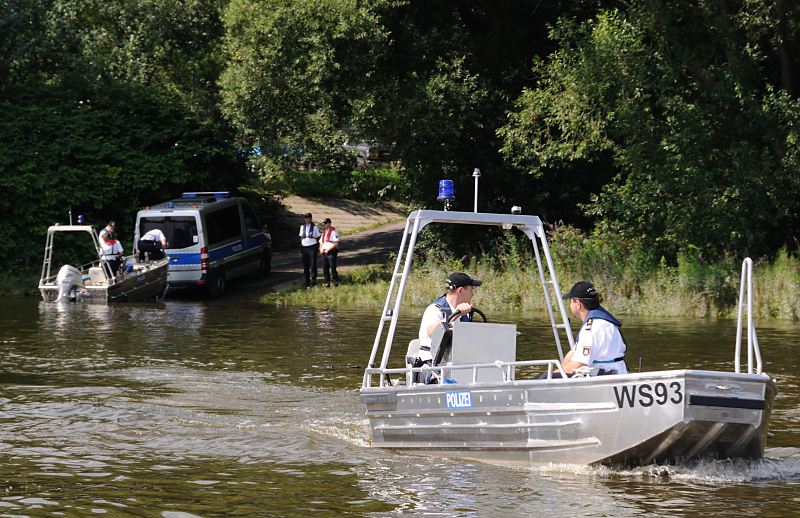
(459, 290)
(108, 230)
(153, 243)
(309, 234)
(111, 252)
(329, 250)
(600, 344)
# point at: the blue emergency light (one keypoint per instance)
(81, 219)
(215, 194)
(447, 193)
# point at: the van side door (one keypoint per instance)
(255, 237)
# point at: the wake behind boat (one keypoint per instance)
(483, 412)
(95, 281)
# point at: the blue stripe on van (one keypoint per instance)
(223, 252)
(217, 254)
(214, 255)
(183, 258)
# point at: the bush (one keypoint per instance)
(367, 184)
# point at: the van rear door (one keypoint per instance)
(183, 243)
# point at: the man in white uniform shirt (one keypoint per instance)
(108, 230)
(600, 344)
(153, 242)
(459, 290)
(309, 234)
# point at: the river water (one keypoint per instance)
(230, 407)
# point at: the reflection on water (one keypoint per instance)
(226, 407)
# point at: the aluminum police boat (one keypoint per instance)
(94, 281)
(483, 412)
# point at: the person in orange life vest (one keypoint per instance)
(111, 252)
(329, 249)
(309, 234)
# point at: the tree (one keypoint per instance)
(676, 97)
(299, 73)
(107, 106)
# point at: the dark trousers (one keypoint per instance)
(152, 248)
(329, 267)
(113, 264)
(309, 254)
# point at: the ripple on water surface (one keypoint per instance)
(212, 409)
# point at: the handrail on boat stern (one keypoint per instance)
(753, 350)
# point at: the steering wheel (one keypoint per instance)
(474, 310)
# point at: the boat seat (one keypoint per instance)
(96, 276)
(413, 349)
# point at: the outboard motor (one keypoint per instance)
(69, 281)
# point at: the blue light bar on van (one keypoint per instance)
(215, 194)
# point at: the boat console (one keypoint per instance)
(478, 343)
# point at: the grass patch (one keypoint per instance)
(372, 183)
(630, 286)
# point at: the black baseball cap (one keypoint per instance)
(581, 290)
(307, 215)
(460, 279)
(326, 220)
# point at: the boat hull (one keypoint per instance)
(147, 281)
(631, 419)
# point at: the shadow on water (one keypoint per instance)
(230, 407)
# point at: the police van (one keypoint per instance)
(211, 239)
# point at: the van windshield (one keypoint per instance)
(181, 231)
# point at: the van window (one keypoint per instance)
(223, 225)
(180, 231)
(251, 222)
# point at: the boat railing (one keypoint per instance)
(530, 225)
(746, 302)
(84, 267)
(508, 369)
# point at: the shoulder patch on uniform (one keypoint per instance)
(586, 351)
(588, 325)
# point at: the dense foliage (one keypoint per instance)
(107, 106)
(668, 124)
(683, 99)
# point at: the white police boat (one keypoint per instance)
(483, 412)
(94, 281)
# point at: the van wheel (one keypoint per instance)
(265, 266)
(217, 286)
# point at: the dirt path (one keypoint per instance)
(358, 247)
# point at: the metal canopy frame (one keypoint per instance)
(48, 249)
(531, 226)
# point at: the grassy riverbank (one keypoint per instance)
(19, 284)
(628, 283)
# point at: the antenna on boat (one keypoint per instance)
(447, 193)
(476, 173)
(70, 216)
